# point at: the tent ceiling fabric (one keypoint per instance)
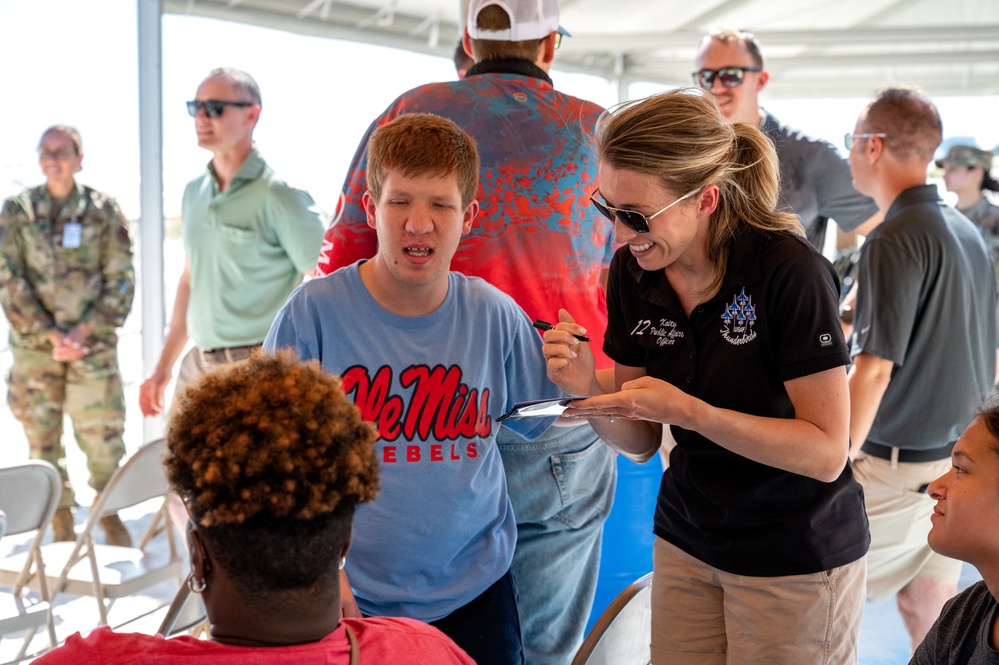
(814, 48)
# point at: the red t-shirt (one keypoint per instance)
(380, 640)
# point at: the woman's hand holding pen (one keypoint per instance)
(618, 417)
(570, 362)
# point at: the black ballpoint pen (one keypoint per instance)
(544, 325)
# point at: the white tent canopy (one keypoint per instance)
(814, 48)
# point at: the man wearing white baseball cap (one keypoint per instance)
(528, 19)
(538, 239)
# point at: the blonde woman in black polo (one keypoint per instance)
(723, 324)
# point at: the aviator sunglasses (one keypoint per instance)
(213, 107)
(729, 77)
(635, 221)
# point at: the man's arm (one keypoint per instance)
(151, 390)
(868, 378)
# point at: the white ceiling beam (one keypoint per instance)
(688, 40)
(968, 53)
(712, 15)
(311, 7)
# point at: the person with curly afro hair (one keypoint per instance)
(270, 458)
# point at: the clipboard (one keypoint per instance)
(539, 408)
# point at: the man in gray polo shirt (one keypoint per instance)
(815, 179)
(248, 239)
(924, 349)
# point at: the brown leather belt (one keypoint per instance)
(227, 355)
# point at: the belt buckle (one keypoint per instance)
(203, 356)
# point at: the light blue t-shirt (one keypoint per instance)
(442, 530)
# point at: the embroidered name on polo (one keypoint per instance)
(739, 320)
(666, 331)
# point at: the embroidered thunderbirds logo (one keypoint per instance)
(739, 319)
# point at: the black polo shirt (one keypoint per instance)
(774, 319)
(925, 303)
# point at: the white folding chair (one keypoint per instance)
(185, 614)
(29, 496)
(623, 633)
(109, 572)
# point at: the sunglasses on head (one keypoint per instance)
(729, 77)
(635, 221)
(214, 108)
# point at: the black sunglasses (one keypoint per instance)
(730, 77)
(635, 221)
(213, 107)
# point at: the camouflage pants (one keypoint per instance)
(40, 390)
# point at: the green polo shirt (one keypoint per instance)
(248, 248)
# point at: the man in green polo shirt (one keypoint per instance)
(248, 239)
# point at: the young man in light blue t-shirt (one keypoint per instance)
(431, 357)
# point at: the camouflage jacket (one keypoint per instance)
(52, 278)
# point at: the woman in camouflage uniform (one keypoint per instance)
(66, 285)
(966, 173)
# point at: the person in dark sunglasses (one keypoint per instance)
(242, 226)
(729, 77)
(723, 327)
(213, 108)
(816, 181)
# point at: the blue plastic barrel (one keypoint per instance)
(626, 553)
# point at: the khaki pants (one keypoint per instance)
(194, 364)
(704, 616)
(899, 515)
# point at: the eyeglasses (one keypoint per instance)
(558, 40)
(848, 138)
(635, 221)
(730, 77)
(213, 107)
(57, 155)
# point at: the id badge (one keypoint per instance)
(72, 234)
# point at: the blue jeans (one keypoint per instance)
(487, 627)
(562, 489)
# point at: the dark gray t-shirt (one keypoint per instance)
(922, 303)
(961, 634)
(815, 182)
